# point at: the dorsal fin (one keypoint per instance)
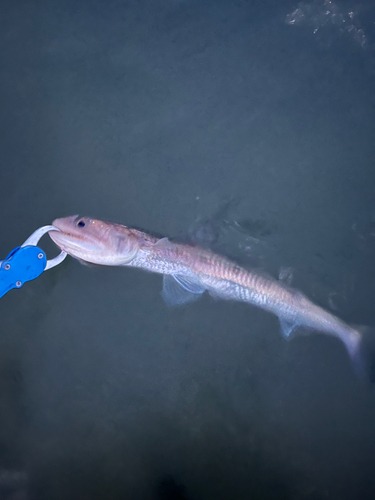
(286, 275)
(164, 243)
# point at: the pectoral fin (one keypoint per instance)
(180, 289)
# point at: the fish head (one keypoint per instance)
(95, 241)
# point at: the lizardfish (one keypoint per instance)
(189, 271)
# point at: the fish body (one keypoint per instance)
(189, 271)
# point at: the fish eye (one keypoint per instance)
(81, 223)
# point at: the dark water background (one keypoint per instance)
(155, 114)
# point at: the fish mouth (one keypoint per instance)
(67, 242)
(68, 238)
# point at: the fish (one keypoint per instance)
(189, 271)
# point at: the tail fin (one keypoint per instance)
(361, 349)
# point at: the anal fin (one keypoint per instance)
(287, 328)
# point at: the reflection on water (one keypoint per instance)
(329, 19)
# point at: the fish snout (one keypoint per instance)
(65, 223)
